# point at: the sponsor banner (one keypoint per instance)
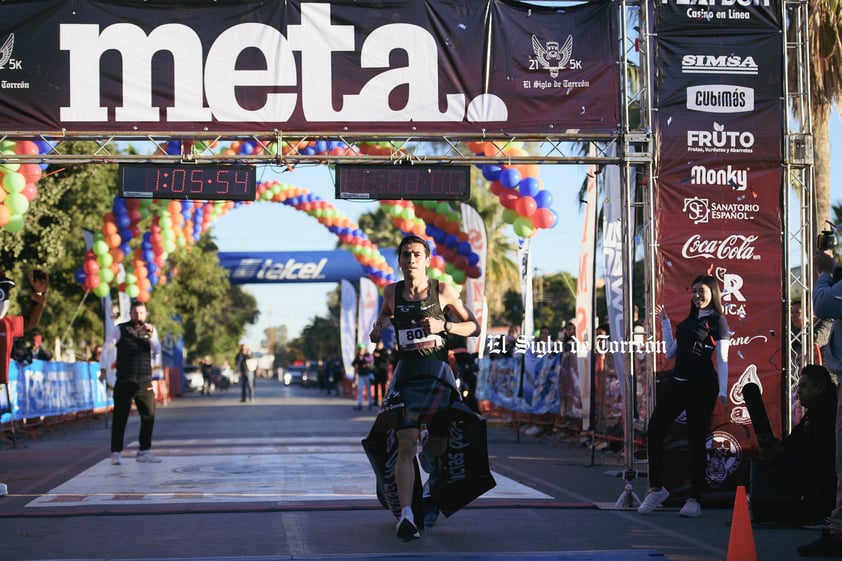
(729, 197)
(717, 206)
(717, 16)
(348, 326)
(585, 286)
(428, 66)
(475, 299)
(295, 266)
(369, 305)
(701, 138)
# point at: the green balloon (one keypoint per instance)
(523, 227)
(102, 290)
(459, 276)
(106, 276)
(100, 247)
(443, 208)
(13, 182)
(510, 215)
(16, 203)
(132, 290)
(15, 224)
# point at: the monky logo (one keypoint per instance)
(736, 179)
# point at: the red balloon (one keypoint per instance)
(497, 188)
(461, 262)
(526, 206)
(26, 147)
(509, 199)
(473, 272)
(543, 218)
(30, 191)
(31, 172)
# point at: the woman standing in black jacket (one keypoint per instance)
(699, 377)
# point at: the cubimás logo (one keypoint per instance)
(720, 98)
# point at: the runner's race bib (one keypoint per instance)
(415, 338)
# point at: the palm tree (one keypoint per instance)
(825, 51)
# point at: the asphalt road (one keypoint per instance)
(285, 478)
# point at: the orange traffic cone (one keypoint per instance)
(741, 542)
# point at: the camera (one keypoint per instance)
(826, 240)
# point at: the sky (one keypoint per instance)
(277, 227)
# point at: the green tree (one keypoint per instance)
(213, 313)
(70, 198)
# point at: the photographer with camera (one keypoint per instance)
(138, 347)
(827, 304)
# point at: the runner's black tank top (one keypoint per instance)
(412, 341)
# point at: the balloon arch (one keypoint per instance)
(174, 224)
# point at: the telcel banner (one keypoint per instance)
(342, 66)
(295, 266)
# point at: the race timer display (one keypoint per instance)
(188, 181)
(404, 181)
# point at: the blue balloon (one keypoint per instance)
(125, 237)
(464, 248)
(247, 148)
(473, 259)
(510, 177)
(153, 279)
(122, 220)
(451, 240)
(544, 199)
(491, 172)
(529, 187)
(174, 147)
(148, 255)
(321, 147)
(309, 151)
(79, 275)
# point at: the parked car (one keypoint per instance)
(193, 378)
(294, 374)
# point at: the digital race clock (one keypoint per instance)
(404, 181)
(188, 181)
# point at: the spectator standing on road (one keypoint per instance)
(207, 375)
(698, 379)
(39, 352)
(423, 385)
(244, 363)
(363, 365)
(827, 304)
(137, 348)
(15, 326)
(382, 359)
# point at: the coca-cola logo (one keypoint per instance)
(736, 247)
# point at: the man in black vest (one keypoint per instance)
(137, 347)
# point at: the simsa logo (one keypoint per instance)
(217, 79)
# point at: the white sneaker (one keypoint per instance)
(146, 456)
(116, 458)
(653, 500)
(691, 509)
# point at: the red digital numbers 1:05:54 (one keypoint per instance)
(188, 181)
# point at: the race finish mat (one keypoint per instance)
(284, 471)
